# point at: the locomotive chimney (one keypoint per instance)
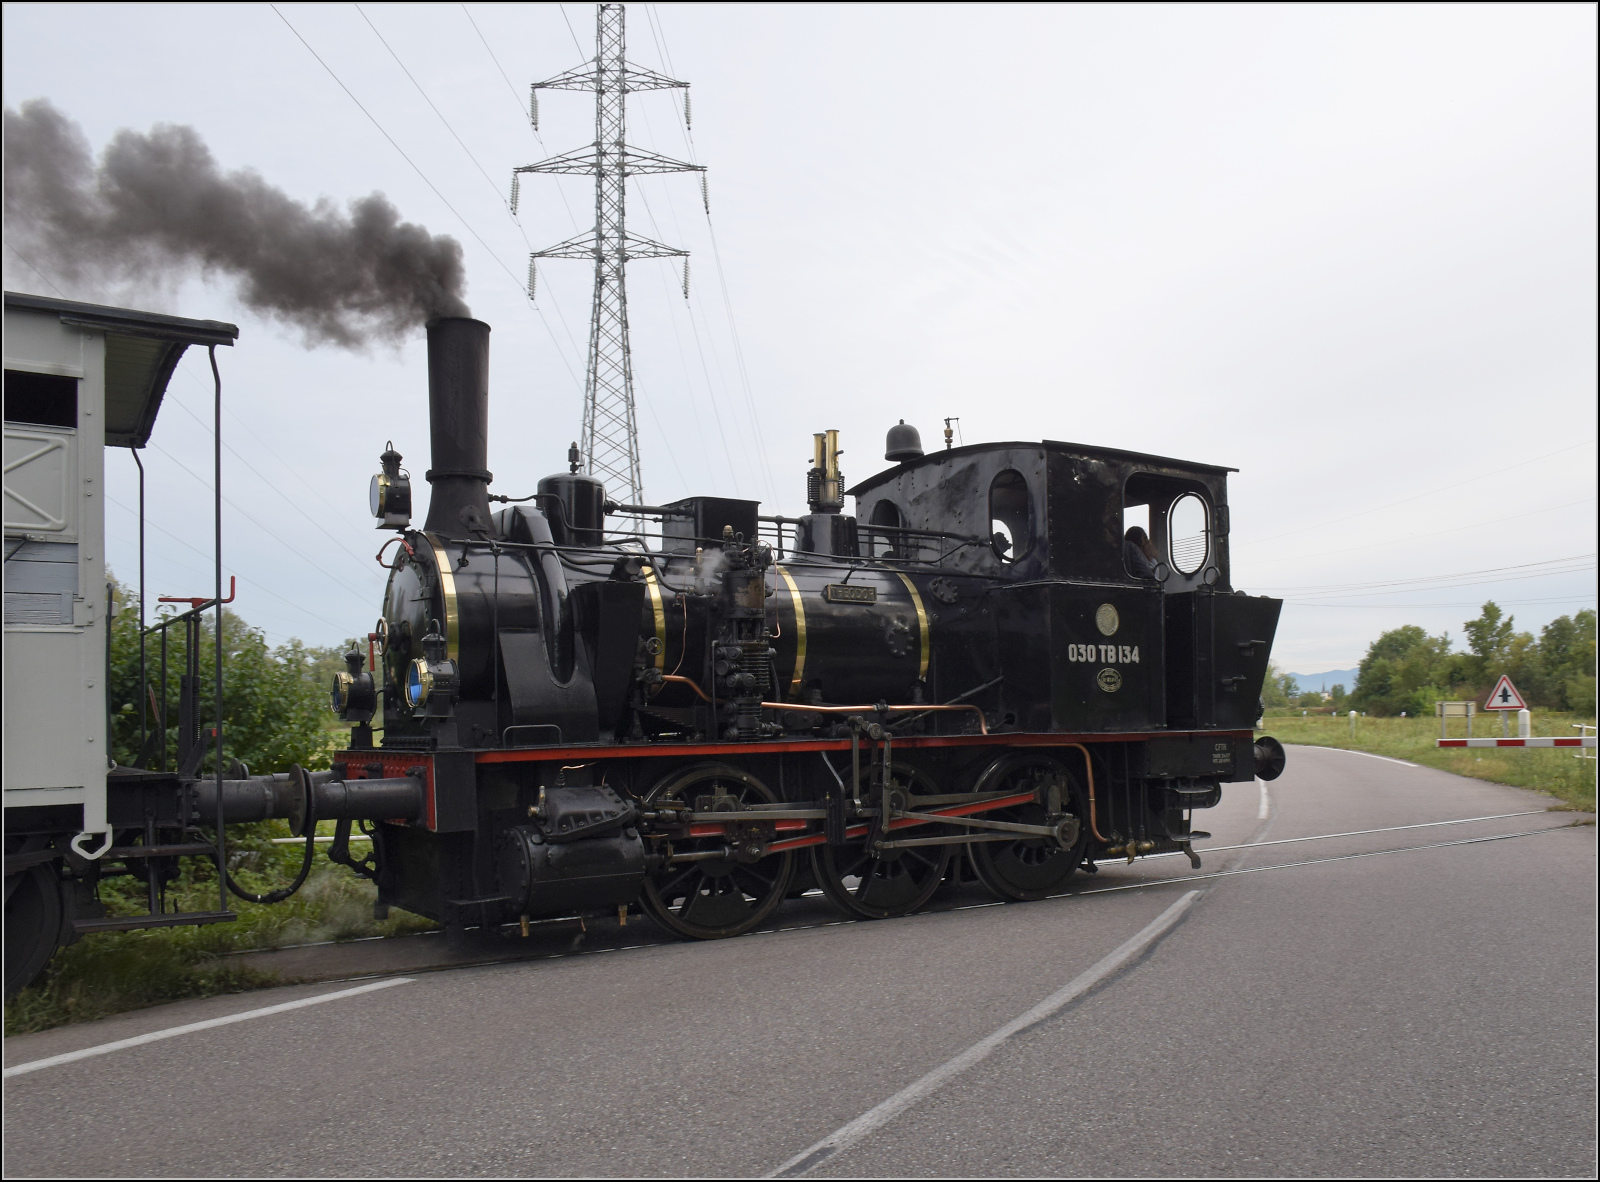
(458, 415)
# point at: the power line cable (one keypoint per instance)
(1453, 586)
(1470, 603)
(1422, 496)
(37, 272)
(1423, 579)
(506, 205)
(527, 116)
(266, 529)
(467, 225)
(343, 547)
(434, 107)
(570, 29)
(711, 395)
(760, 448)
(242, 578)
(1435, 533)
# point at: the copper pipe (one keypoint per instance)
(983, 726)
(1088, 767)
(688, 682)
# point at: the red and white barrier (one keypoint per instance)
(1589, 741)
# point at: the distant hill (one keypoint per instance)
(1324, 682)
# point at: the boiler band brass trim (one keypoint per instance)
(799, 632)
(447, 591)
(922, 625)
(660, 615)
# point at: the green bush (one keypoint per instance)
(274, 700)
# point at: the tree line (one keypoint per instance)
(1407, 670)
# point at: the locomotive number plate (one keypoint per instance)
(847, 593)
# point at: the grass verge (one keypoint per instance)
(1556, 771)
(113, 972)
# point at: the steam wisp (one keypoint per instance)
(157, 206)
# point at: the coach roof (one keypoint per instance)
(142, 350)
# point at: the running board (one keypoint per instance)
(129, 923)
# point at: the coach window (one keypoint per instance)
(1010, 516)
(41, 398)
(1188, 533)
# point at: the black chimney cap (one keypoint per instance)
(903, 443)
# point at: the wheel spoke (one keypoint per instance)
(919, 854)
(666, 889)
(746, 873)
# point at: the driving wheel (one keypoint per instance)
(874, 883)
(1030, 868)
(715, 885)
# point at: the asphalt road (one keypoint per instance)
(1429, 1011)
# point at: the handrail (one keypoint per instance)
(806, 708)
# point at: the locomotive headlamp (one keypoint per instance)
(419, 682)
(354, 697)
(390, 494)
(430, 678)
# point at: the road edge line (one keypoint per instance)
(192, 1027)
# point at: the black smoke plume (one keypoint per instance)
(157, 207)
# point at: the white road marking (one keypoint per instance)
(1265, 810)
(1253, 845)
(1368, 754)
(1405, 849)
(876, 1118)
(173, 1032)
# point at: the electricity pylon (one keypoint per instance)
(610, 446)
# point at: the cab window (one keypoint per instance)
(1188, 533)
(1010, 516)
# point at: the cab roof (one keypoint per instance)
(1077, 449)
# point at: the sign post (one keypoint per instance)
(1504, 697)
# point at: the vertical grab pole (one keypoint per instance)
(162, 718)
(216, 488)
(144, 681)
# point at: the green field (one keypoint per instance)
(1556, 772)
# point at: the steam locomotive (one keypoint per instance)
(572, 707)
(589, 714)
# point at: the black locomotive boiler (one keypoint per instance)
(585, 704)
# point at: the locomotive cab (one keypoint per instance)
(1083, 642)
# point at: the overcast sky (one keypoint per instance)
(1347, 250)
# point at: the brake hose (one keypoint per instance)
(278, 896)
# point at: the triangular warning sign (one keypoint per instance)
(1504, 696)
